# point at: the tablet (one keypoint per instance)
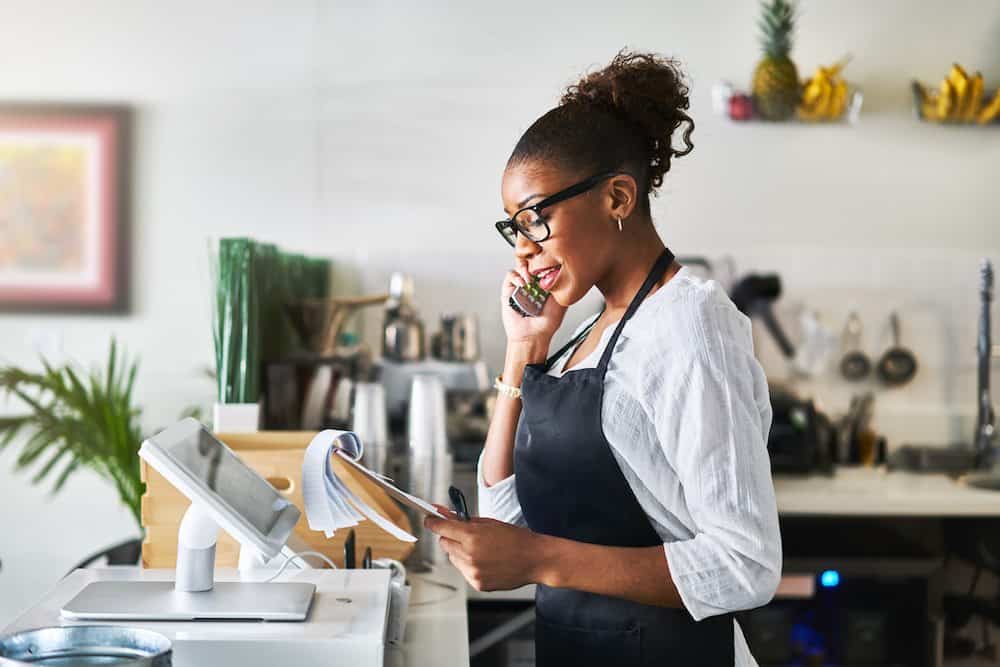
(205, 470)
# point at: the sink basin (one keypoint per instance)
(952, 459)
(987, 481)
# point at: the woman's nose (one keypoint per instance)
(525, 248)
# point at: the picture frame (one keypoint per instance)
(64, 207)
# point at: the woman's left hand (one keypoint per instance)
(491, 555)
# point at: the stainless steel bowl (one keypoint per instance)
(81, 645)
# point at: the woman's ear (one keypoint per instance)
(624, 193)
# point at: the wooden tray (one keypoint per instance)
(276, 456)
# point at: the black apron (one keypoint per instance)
(570, 485)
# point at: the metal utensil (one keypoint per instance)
(458, 339)
(898, 365)
(855, 364)
(986, 432)
(754, 295)
(403, 339)
(80, 645)
(403, 331)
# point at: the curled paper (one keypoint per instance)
(329, 504)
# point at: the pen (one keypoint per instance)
(458, 503)
(349, 562)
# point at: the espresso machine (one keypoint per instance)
(452, 355)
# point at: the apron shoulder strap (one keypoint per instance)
(659, 268)
(573, 341)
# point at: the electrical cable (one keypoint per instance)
(299, 556)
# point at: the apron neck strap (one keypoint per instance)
(572, 342)
(657, 272)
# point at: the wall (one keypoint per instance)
(376, 132)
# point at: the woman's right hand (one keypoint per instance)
(533, 331)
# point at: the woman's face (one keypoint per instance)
(579, 248)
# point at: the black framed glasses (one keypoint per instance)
(530, 221)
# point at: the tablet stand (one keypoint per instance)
(196, 540)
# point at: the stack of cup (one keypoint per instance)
(371, 425)
(429, 469)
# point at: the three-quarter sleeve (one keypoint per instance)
(498, 501)
(711, 413)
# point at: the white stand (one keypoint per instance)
(252, 560)
(196, 540)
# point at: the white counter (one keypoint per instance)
(866, 491)
(437, 627)
(436, 631)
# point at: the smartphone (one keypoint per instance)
(529, 300)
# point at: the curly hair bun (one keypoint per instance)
(647, 92)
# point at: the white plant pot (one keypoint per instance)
(236, 417)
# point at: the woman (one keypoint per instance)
(627, 475)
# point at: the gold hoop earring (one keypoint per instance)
(619, 223)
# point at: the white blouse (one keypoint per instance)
(686, 412)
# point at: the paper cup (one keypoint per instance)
(427, 416)
(370, 423)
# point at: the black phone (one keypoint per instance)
(529, 300)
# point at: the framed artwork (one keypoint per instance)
(64, 195)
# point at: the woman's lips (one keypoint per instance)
(549, 279)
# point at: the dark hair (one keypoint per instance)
(622, 117)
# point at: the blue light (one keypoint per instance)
(829, 579)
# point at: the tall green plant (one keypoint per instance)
(254, 285)
(78, 420)
(236, 323)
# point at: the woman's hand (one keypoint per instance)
(491, 555)
(531, 331)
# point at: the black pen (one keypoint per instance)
(458, 503)
(349, 552)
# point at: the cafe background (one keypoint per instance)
(375, 133)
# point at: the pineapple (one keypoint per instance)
(776, 80)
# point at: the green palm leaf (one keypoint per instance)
(77, 420)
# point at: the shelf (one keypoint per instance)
(722, 93)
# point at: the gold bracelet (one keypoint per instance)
(506, 389)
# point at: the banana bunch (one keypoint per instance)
(958, 100)
(824, 96)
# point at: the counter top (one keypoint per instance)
(436, 631)
(856, 492)
(437, 627)
(864, 491)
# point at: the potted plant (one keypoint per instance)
(77, 420)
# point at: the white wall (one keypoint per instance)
(356, 129)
